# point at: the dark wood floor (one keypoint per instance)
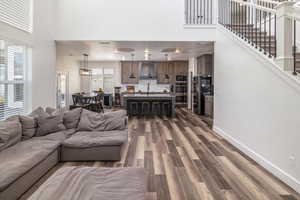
(186, 160)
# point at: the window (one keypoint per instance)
(103, 78)
(13, 62)
(17, 13)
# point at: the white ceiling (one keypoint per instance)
(107, 50)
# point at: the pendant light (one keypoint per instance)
(84, 69)
(131, 75)
(167, 77)
(150, 75)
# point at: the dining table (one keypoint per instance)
(88, 98)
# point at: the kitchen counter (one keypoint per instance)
(149, 95)
(150, 100)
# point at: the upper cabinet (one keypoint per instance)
(205, 64)
(165, 71)
(127, 67)
(181, 68)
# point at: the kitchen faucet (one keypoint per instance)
(148, 88)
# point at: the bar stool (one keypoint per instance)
(140, 107)
(166, 108)
(156, 108)
(133, 110)
(146, 108)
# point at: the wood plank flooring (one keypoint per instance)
(186, 160)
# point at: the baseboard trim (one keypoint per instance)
(276, 171)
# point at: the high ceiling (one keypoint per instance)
(122, 50)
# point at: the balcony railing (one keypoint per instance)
(254, 23)
(199, 12)
(269, 26)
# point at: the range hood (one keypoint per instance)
(148, 71)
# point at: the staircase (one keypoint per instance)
(257, 38)
(258, 22)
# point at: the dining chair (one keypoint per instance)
(97, 105)
(78, 102)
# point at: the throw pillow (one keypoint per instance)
(72, 117)
(49, 124)
(10, 132)
(92, 121)
(29, 123)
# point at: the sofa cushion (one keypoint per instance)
(20, 158)
(86, 139)
(83, 183)
(92, 121)
(72, 117)
(50, 124)
(59, 136)
(10, 132)
(29, 122)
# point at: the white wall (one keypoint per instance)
(42, 74)
(69, 65)
(139, 20)
(44, 54)
(257, 109)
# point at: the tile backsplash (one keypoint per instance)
(154, 87)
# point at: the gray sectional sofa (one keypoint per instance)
(31, 145)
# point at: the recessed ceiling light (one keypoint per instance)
(146, 50)
(177, 50)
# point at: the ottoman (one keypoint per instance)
(93, 183)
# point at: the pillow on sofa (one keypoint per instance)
(92, 121)
(59, 111)
(55, 111)
(50, 124)
(72, 117)
(29, 122)
(10, 132)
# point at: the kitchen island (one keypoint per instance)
(150, 104)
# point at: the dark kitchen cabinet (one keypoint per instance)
(128, 67)
(165, 72)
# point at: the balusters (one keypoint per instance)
(295, 47)
(255, 23)
(260, 33)
(265, 32)
(270, 34)
(275, 34)
(249, 28)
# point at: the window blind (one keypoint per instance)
(12, 80)
(16, 13)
